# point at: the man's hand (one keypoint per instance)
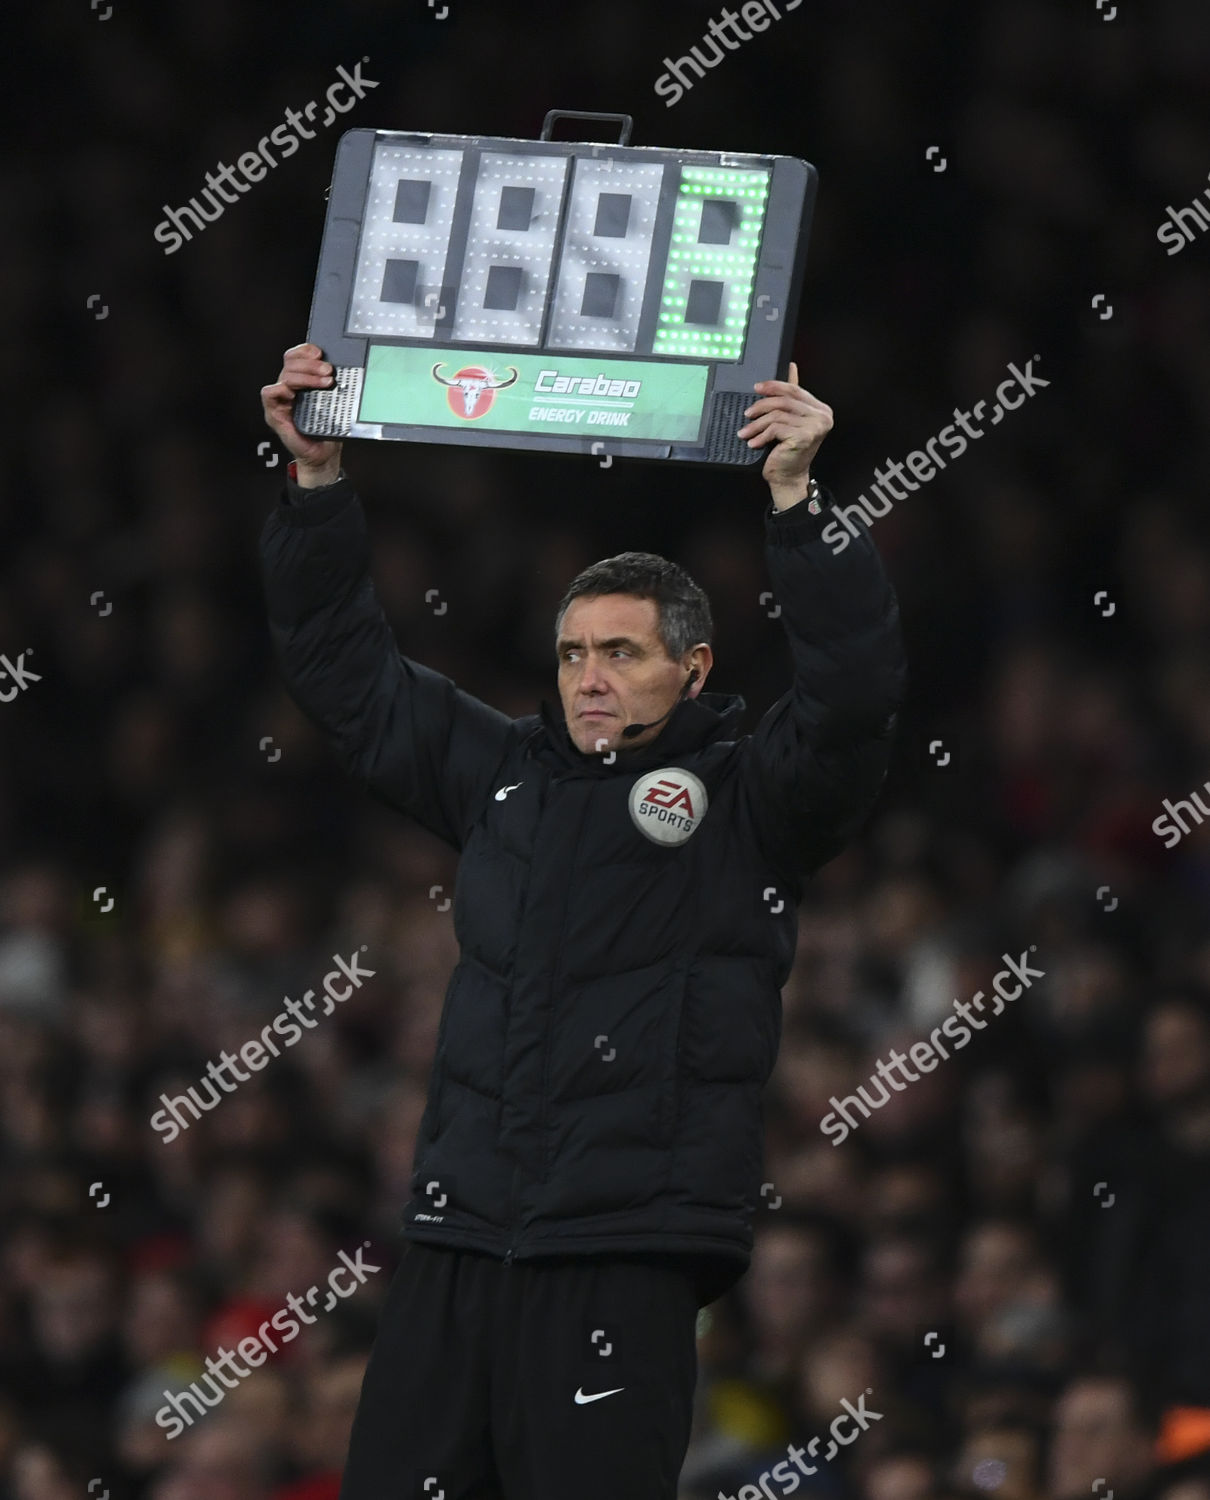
(797, 423)
(304, 367)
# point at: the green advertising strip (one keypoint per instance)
(534, 393)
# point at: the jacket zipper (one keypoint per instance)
(510, 1253)
(512, 1192)
(554, 976)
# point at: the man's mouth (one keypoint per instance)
(594, 713)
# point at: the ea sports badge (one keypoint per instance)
(668, 804)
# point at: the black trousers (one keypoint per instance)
(550, 1380)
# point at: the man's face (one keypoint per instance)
(1096, 1434)
(1175, 1061)
(614, 671)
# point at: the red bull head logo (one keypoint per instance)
(473, 389)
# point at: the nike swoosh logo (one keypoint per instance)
(504, 791)
(583, 1400)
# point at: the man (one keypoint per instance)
(1103, 1439)
(589, 1160)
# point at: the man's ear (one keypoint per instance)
(701, 659)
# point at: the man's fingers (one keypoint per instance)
(775, 432)
(277, 402)
(758, 424)
(304, 359)
(793, 373)
(787, 423)
(775, 423)
(296, 378)
(307, 366)
(794, 394)
(305, 362)
(799, 399)
(785, 388)
(284, 392)
(776, 403)
(278, 405)
(784, 406)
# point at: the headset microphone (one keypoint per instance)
(632, 729)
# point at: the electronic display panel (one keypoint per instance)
(561, 295)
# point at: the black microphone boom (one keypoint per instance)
(632, 729)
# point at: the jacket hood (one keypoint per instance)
(692, 724)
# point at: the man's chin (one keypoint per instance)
(596, 734)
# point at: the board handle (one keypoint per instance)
(627, 123)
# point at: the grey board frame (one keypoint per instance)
(772, 318)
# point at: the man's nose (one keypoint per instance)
(592, 678)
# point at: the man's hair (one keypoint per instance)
(683, 610)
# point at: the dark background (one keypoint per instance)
(1073, 1319)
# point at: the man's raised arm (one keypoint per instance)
(418, 742)
(819, 756)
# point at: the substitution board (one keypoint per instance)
(578, 297)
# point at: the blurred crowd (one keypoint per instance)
(1009, 1257)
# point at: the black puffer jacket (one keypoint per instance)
(625, 929)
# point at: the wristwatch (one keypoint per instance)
(292, 471)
